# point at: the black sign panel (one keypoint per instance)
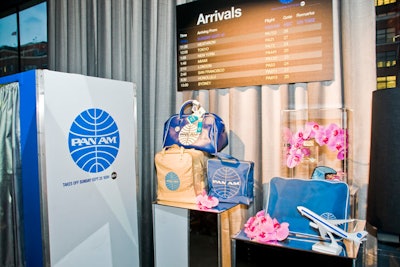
(222, 44)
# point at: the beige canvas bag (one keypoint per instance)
(181, 173)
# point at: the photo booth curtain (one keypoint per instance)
(135, 41)
(11, 228)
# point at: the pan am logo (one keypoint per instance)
(226, 182)
(94, 140)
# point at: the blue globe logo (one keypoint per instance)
(172, 181)
(226, 182)
(328, 216)
(94, 140)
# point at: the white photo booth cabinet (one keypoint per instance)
(78, 177)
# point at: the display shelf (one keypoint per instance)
(185, 235)
(247, 253)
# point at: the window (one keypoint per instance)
(8, 45)
(386, 82)
(386, 59)
(384, 36)
(384, 2)
(23, 39)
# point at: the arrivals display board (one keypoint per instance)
(222, 44)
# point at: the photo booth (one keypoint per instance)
(77, 170)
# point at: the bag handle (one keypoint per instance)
(177, 149)
(173, 146)
(222, 156)
(187, 103)
(227, 158)
(197, 110)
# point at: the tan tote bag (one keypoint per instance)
(181, 173)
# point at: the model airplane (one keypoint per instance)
(330, 228)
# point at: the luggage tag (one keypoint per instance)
(200, 112)
(197, 116)
(196, 113)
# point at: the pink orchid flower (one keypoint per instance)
(313, 127)
(262, 228)
(332, 136)
(206, 202)
(294, 159)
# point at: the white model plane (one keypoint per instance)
(329, 227)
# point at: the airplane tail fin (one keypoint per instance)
(358, 237)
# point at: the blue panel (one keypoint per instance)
(30, 171)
